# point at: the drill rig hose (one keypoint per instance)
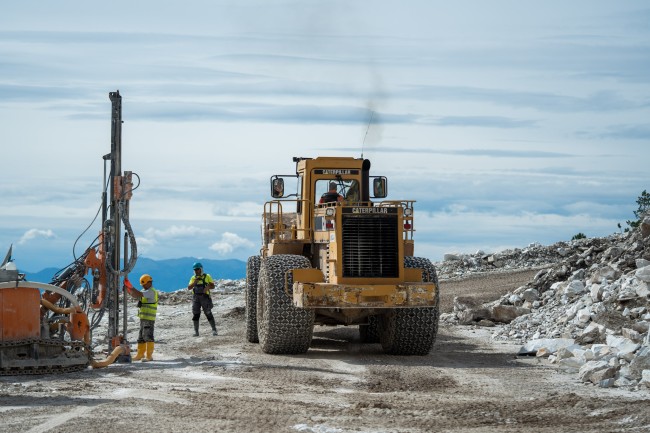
(109, 360)
(42, 286)
(133, 257)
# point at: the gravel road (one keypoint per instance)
(468, 383)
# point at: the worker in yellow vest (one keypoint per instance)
(147, 308)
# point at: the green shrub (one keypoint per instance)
(578, 236)
(644, 206)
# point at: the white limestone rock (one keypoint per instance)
(624, 347)
(574, 288)
(549, 345)
(645, 379)
(595, 371)
(451, 257)
(641, 263)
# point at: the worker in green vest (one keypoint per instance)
(200, 284)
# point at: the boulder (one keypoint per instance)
(548, 345)
(643, 274)
(645, 379)
(451, 257)
(595, 371)
(645, 227)
(574, 288)
(506, 313)
(640, 362)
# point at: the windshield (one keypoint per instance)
(347, 190)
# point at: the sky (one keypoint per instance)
(509, 122)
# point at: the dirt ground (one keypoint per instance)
(467, 384)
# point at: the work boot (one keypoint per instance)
(196, 328)
(214, 327)
(150, 345)
(141, 348)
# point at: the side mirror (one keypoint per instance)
(379, 187)
(277, 187)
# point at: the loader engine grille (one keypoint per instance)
(370, 245)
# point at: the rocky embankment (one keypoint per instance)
(588, 308)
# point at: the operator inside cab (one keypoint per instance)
(331, 196)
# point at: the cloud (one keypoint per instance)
(484, 122)
(494, 153)
(238, 209)
(627, 132)
(179, 232)
(174, 238)
(144, 244)
(170, 111)
(230, 242)
(40, 93)
(176, 232)
(603, 101)
(36, 233)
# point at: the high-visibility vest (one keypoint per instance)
(148, 309)
(202, 282)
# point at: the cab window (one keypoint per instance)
(348, 190)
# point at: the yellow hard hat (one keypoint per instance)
(146, 278)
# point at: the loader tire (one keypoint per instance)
(282, 328)
(411, 331)
(252, 273)
(370, 333)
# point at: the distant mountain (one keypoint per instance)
(43, 276)
(168, 275)
(173, 274)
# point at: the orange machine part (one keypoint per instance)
(79, 325)
(96, 261)
(20, 313)
(53, 297)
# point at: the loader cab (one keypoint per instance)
(300, 193)
(348, 189)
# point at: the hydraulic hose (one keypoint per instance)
(109, 360)
(133, 257)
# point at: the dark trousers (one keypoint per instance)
(201, 302)
(146, 331)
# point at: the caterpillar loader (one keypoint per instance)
(333, 255)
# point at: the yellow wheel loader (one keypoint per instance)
(335, 252)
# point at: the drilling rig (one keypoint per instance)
(46, 328)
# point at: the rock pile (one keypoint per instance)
(534, 256)
(589, 311)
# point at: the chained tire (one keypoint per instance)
(411, 331)
(370, 333)
(252, 273)
(282, 328)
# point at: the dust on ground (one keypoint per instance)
(468, 383)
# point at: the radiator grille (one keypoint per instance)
(370, 246)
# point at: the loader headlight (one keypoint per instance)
(330, 211)
(408, 212)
